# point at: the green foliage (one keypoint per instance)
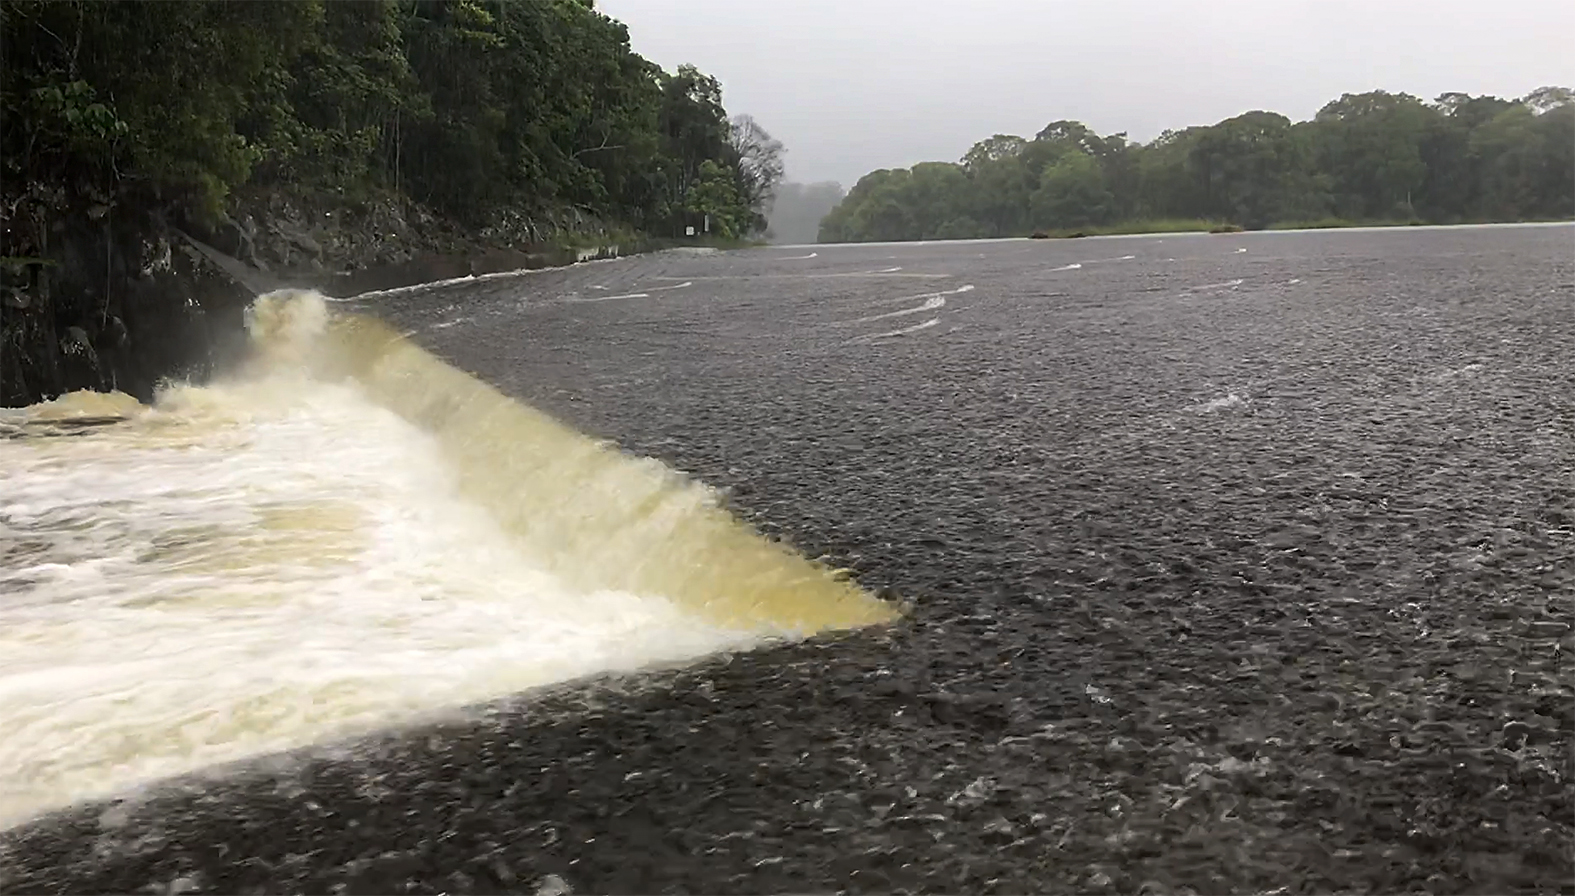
(714, 194)
(476, 107)
(1072, 193)
(351, 81)
(1370, 147)
(1372, 157)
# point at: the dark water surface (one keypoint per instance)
(1237, 563)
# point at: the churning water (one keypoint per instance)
(347, 535)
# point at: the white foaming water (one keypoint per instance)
(930, 304)
(1227, 284)
(932, 301)
(258, 565)
(1219, 404)
(902, 332)
(250, 567)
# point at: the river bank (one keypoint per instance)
(121, 293)
(1150, 227)
(316, 142)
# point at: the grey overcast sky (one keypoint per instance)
(854, 85)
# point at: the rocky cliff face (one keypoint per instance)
(110, 299)
(118, 294)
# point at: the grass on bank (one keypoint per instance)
(1334, 223)
(1148, 225)
(1331, 223)
(1202, 225)
(705, 242)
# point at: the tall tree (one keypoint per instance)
(759, 161)
(994, 149)
(1072, 193)
(1370, 146)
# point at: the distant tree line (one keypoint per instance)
(1363, 158)
(477, 108)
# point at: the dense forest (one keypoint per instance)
(318, 139)
(1364, 158)
(476, 108)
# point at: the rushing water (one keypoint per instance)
(347, 535)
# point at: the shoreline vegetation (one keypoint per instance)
(314, 140)
(1364, 160)
(1142, 228)
(320, 141)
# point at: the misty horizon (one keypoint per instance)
(879, 84)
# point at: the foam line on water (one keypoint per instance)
(929, 304)
(1227, 284)
(593, 299)
(966, 287)
(468, 278)
(902, 332)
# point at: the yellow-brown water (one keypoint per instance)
(348, 535)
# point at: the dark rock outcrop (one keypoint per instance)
(111, 298)
(119, 292)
